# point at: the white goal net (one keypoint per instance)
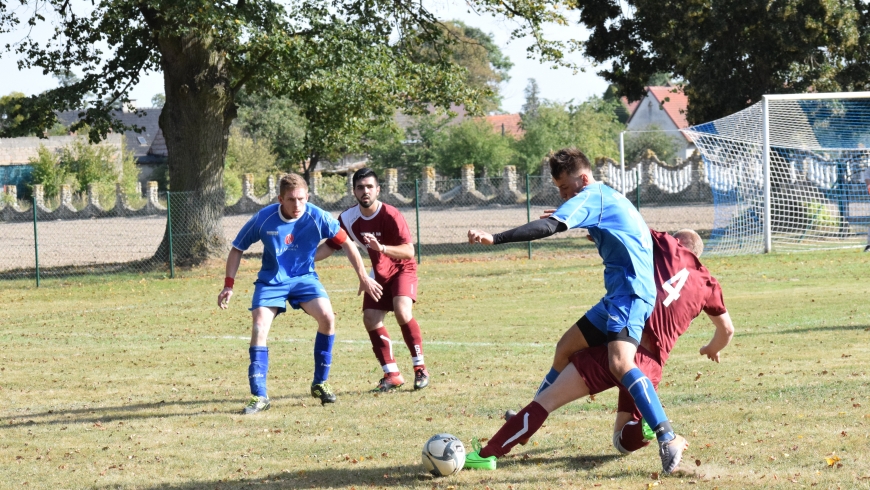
(787, 173)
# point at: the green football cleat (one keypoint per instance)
(473, 461)
(324, 392)
(257, 404)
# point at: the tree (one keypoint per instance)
(591, 126)
(158, 100)
(472, 142)
(652, 138)
(474, 50)
(344, 63)
(409, 150)
(728, 53)
(277, 122)
(10, 118)
(530, 108)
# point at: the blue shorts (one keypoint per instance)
(295, 291)
(618, 312)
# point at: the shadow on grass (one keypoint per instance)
(336, 476)
(138, 411)
(799, 330)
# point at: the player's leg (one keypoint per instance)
(404, 289)
(586, 374)
(630, 431)
(382, 346)
(579, 336)
(266, 303)
(624, 328)
(321, 310)
(258, 352)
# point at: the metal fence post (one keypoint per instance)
(528, 211)
(169, 229)
(637, 186)
(35, 240)
(417, 208)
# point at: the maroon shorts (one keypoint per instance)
(594, 368)
(402, 284)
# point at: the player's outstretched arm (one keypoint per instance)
(366, 284)
(721, 337)
(534, 230)
(323, 251)
(233, 261)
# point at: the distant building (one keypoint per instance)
(507, 124)
(664, 107)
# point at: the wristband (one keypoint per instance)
(228, 282)
(383, 248)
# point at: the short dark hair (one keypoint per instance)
(568, 161)
(365, 173)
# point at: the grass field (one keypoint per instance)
(136, 382)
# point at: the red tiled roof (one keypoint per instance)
(676, 105)
(510, 124)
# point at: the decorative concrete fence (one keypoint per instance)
(686, 182)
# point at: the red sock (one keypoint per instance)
(520, 427)
(383, 349)
(414, 341)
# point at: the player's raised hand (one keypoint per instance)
(482, 237)
(547, 213)
(370, 287)
(710, 353)
(224, 298)
(371, 242)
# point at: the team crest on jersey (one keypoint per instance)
(288, 239)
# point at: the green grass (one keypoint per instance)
(136, 382)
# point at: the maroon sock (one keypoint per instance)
(414, 341)
(383, 349)
(520, 427)
(631, 437)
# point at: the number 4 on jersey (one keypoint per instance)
(672, 290)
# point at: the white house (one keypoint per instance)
(664, 107)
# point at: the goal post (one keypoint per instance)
(787, 173)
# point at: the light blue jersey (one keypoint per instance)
(621, 235)
(288, 245)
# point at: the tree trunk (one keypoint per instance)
(195, 122)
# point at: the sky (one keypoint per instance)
(559, 84)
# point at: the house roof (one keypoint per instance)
(507, 124)
(146, 118)
(675, 107)
(631, 106)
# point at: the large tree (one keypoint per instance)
(728, 53)
(343, 62)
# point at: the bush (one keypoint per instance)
(473, 142)
(333, 185)
(664, 145)
(91, 164)
(50, 173)
(247, 156)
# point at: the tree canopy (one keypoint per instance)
(728, 53)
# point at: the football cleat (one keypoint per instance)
(389, 383)
(473, 460)
(671, 453)
(324, 392)
(867, 248)
(257, 404)
(421, 378)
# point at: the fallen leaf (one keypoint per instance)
(832, 460)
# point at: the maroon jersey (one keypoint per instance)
(389, 227)
(684, 288)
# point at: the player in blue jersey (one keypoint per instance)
(625, 245)
(290, 231)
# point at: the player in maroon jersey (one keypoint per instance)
(684, 288)
(382, 229)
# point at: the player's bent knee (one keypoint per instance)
(630, 438)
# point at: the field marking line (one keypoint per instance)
(367, 342)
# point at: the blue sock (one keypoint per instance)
(322, 357)
(258, 369)
(647, 401)
(549, 379)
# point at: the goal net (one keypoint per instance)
(787, 173)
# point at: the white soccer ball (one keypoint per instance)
(443, 454)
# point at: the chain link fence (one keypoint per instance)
(76, 235)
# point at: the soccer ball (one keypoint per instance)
(443, 454)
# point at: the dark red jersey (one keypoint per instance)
(389, 227)
(684, 288)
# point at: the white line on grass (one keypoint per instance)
(427, 342)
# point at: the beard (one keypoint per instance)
(366, 204)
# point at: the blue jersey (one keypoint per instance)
(621, 235)
(288, 245)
